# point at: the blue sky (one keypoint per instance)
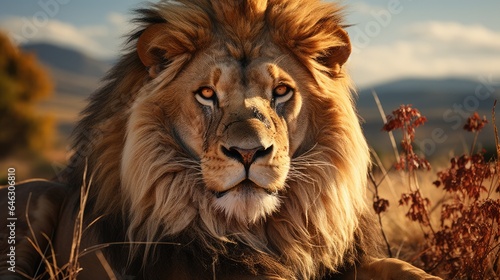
(392, 39)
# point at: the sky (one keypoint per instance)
(392, 39)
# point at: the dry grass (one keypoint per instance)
(70, 270)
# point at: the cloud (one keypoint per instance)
(363, 8)
(54, 31)
(101, 41)
(95, 31)
(117, 19)
(120, 22)
(429, 49)
(472, 36)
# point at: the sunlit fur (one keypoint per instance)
(142, 141)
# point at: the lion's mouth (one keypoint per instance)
(245, 186)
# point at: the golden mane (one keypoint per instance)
(320, 225)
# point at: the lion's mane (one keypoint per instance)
(320, 225)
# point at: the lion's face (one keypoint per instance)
(242, 123)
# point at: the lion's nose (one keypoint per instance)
(246, 156)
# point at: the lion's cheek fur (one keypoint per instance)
(151, 187)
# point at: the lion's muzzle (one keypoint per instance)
(248, 167)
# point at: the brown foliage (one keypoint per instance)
(407, 119)
(23, 83)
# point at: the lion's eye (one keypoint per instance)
(206, 92)
(281, 90)
(282, 93)
(206, 96)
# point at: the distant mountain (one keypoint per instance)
(67, 59)
(73, 73)
(75, 77)
(446, 103)
(425, 93)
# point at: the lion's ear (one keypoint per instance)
(336, 56)
(150, 50)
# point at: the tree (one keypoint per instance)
(23, 84)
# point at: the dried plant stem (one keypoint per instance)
(473, 146)
(384, 119)
(387, 244)
(379, 215)
(495, 129)
(73, 264)
(51, 268)
(385, 172)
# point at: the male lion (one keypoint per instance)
(223, 146)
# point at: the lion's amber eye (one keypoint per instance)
(282, 93)
(206, 92)
(281, 90)
(206, 96)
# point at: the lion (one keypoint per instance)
(224, 145)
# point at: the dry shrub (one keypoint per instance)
(461, 241)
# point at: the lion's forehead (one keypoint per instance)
(233, 78)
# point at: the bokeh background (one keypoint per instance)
(441, 56)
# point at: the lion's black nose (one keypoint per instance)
(246, 156)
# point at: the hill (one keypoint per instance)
(75, 77)
(68, 60)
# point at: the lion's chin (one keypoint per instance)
(247, 203)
